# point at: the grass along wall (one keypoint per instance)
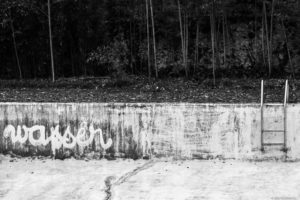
(148, 130)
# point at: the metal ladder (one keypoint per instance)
(263, 144)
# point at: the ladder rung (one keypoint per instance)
(273, 144)
(275, 131)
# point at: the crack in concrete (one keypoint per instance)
(108, 181)
(108, 184)
(128, 175)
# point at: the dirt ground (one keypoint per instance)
(41, 179)
(140, 89)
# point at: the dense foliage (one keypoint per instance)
(250, 38)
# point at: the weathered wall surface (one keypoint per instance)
(151, 130)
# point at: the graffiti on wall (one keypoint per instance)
(58, 140)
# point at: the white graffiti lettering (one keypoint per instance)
(42, 140)
(56, 139)
(103, 145)
(81, 135)
(67, 140)
(11, 131)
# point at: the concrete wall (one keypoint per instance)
(146, 130)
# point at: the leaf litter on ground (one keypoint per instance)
(141, 89)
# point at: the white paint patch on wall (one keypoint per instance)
(293, 131)
(58, 140)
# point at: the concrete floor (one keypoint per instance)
(26, 179)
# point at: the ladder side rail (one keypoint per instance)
(262, 114)
(262, 93)
(286, 93)
(286, 97)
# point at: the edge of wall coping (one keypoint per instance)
(146, 103)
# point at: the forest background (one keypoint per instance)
(155, 38)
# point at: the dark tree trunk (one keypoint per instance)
(154, 41)
(148, 40)
(15, 45)
(50, 40)
(212, 26)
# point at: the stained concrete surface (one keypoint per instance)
(217, 180)
(37, 179)
(34, 179)
(180, 130)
